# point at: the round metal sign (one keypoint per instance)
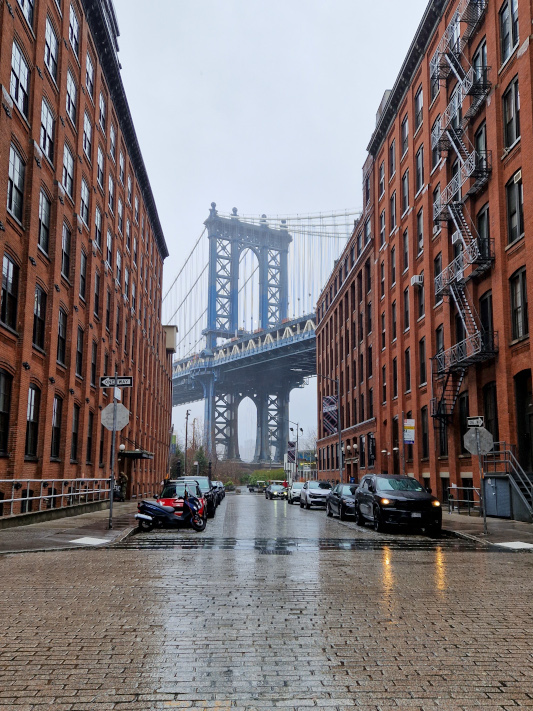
(123, 417)
(486, 441)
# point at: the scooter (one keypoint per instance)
(151, 514)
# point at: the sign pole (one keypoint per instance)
(403, 445)
(337, 383)
(481, 483)
(112, 476)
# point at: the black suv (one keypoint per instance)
(207, 489)
(387, 499)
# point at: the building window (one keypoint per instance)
(15, 184)
(369, 317)
(27, 10)
(90, 429)
(435, 152)
(405, 135)
(136, 211)
(87, 136)
(98, 228)
(121, 167)
(94, 355)
(79, 352)
(406, 249)
(437, 269)
(117, 325)
(83, 274)
(44, 222)
(113, 143)
(128, 235)
(490, 409)
(384, 384)
(47, 131)
(515, 208)
(119, 267)
(508, 28)
(74, 32)
(68, 171)
(89, 75)
(394, 377)
(100, 167)
(422, 361)
(405, 191)
(51, 48)
(464, 412)
(57, 412)
(134, 303)
(381, 188)
(392, 159)
(75, 432)
(102, 107)
(129, 189)
(111, 196)
(108, 312)
(10, 286)
(419, 169)
(382, 228)
(420, 230)
(126, 282)
(72, 98)
(20, 80)
(519, 313)
(421, 299)
(383, 331)
(439, 339)
(393, 320)
(407, 369)
(135, 251)
(32, 421)
(483, 229)
(120, 216)
(406, 309)
(39, 317)
(382, 280)
(393, 266)
(84, 204)
(62, 337)
(97, 294)
(511, 114)
(425, 432)
(419, 106)
(109, 249)
(393, 211)
(65, 252)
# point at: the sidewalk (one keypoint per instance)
(65, 533)
(501, 531)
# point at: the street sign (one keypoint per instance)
(477, 421)
(478, 441)
(121, 381)
(123, 416)
(117, 394)
(408, 431)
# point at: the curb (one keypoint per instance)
(470, 537)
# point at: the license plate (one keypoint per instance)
(416, 514)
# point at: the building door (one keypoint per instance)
(524, 418)
(395, 447)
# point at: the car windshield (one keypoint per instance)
(348, 490)
(297, 484)
(276, 487)
(173, 491)
(399, 484)
(319, 485)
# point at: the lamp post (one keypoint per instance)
(298, 429)
(186, 433)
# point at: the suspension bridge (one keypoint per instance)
(244, 305)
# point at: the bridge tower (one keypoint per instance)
(228, 238)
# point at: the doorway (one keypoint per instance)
(524, 418)
(395, 447)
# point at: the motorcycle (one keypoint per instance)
(151, 514)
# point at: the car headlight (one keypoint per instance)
(435, 503)
(385, 502)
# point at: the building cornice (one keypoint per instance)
(417, 50)
(104, 31)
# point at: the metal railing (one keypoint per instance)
(472, 349)
(470, 501)
(49, 494)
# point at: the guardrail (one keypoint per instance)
(471, 500)
(37, 495)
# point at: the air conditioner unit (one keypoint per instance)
(518, 176)
(456, 237)
(417, 280)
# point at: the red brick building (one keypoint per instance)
(449, 224)
(82, 252)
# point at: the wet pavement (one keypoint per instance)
(271, 607)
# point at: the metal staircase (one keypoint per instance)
(503, 462)
(471, 173)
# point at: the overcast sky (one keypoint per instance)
(266, 105)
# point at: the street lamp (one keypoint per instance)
(298, 429)
(186, 433)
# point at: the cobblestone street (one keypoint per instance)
(271, 607)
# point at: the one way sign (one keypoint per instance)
(108, 381)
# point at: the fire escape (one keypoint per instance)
(471, 167)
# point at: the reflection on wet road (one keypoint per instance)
(334, 617)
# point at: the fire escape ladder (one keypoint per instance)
(467, 313)
(448, 385)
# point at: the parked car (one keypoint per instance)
(208, 491)
(259, 486)
(385, 499)
(295, 489)
(314, 493)
(220, 489)
(341, 501)
(275, 491)
(174, 491)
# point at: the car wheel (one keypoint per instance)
(329, 512)
(307, 505)
(379, 526)
(359, 518)
(342, 513)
